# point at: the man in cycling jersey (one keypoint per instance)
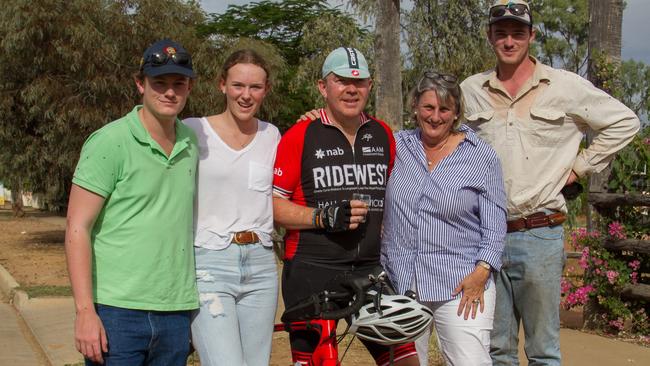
(319, 165)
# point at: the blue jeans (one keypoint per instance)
(238, 288)
(141, 337)
(528, 291)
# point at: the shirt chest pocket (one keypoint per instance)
(260, 177)
(483, 124)
(546, 126)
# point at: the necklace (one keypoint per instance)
(429, 162)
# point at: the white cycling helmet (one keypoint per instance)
(402, 320)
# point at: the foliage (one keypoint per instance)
(435, 29)
(605, 275)
(630, 168)
(66, 69)
(281, 24)
(562, 33)
(303, 32)
(635, 86)
(323, 35)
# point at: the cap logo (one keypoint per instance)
(355, 72)
(353, 61)
(169, 50)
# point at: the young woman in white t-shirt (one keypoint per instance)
(235, 265)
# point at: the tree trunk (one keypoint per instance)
(388, 77)
(605, 25)
(17, 201)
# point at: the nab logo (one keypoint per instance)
(320, 153)
(366, 137)
(277, 171)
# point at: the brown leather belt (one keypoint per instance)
(245, 237)
(538, 219)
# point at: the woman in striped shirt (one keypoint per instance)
(445, 222)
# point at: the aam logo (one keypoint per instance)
(372, 150)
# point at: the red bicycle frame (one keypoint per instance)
(326, 352)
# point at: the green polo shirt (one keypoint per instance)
(142, 255)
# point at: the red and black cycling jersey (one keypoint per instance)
(316, 166)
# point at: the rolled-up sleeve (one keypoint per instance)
(614, 125)
(492, 211)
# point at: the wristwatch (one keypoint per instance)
(484, 264)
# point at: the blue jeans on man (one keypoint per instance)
(528, 291)
(147, 338)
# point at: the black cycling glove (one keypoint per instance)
(336, 217)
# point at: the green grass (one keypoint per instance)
(47, 291)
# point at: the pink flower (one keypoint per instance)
(616, 230)
(634, 278)
(635, 264)
(611, 276)
(618, 324)
(584, 259)
(565, 286)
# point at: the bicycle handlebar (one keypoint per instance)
(357, 286)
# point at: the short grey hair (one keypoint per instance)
(446, 88)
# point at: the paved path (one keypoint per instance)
(15, 348)
(51, 320)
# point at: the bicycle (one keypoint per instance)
(367, 313)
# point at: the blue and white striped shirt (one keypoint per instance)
(438, 224)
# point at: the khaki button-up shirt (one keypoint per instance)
(537, 133)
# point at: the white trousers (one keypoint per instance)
(462, 342)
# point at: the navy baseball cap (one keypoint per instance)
(166, 57)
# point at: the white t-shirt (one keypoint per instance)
(234, 186)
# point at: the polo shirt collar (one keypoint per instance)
(327, 121)
(142, 135)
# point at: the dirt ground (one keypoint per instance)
(31, 249)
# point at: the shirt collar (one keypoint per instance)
(470, 136)
(140, 133)
(327, 121)
(540, 73)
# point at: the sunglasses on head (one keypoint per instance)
(159, 59)
(514, 9)
(448, 79)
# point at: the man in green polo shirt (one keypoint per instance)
(129, 227)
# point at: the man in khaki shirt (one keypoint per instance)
(535, 117)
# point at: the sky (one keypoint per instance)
(636, 26)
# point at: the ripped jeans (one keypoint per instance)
(238, 288)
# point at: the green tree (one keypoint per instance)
(562, 32)
(281, 24)
(635, 86)
(298, 30)
(447, 36)
(65, 70)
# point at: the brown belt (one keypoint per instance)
(245, 237)
(538, 219)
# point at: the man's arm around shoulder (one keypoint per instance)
(83, 208)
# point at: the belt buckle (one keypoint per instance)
(235, 238)
(536, 220)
